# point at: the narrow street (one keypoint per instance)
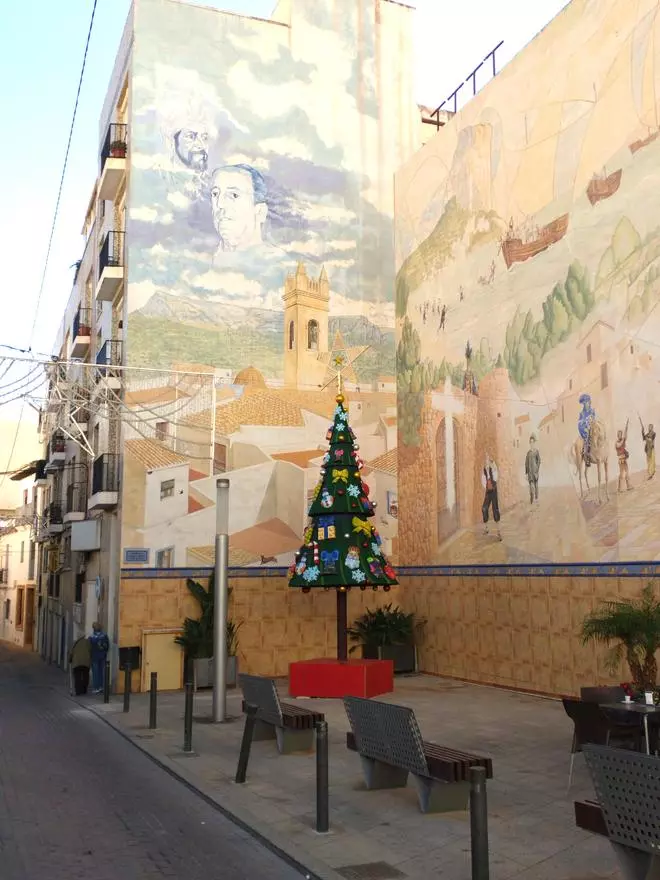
(77, 801)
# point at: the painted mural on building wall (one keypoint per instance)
(528, 307)
(261, 246)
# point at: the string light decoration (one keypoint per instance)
(341, 548)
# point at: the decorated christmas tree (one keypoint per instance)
(341, 549)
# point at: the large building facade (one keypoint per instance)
(238, 239)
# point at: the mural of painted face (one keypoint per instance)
(238, 203)
(190, 147)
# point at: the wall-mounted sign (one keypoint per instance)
(136, 556)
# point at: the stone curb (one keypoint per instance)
(309, 867)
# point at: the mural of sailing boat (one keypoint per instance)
(644, 142)
(517, 250)
(602, 186)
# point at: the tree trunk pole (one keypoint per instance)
(342, 625)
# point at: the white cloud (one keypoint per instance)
(285, 146)
(341, 246)
(144, 214)
(242, 159)
(157, 250)
(339, 264)
(178, 200)
(332, 213)
(230, 282)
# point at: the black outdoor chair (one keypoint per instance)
(591, 724)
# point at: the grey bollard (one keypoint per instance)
(188, 718)
(153, 701)
(479, 824)
(106, 683)
(322, 778)
(127, 687)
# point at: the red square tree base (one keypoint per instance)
(334, 679)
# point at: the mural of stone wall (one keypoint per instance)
(528, 310)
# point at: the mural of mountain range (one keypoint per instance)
(233, 337)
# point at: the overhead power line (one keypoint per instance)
(54, 224)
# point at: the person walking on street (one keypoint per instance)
(532, 468)
(648, 436)
(99, 645)
(80, 659)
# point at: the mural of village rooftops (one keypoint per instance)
(528, 307)
(260, 245)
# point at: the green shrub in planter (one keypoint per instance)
(387, 633)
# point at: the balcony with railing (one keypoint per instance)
(75, 507)
(111, 266)
(56, 452)
(54, 518)
(105, 482)
(108, 363)
(40, 475)
(113, 160)
(81, 332)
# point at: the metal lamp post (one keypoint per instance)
(220, 603)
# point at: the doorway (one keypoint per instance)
(28, 629)
(162, 655)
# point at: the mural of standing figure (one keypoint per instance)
(648, 436)
(623, 455)
(585, 420)
(489, 478)
(532, 468)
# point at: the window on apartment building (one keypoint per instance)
(66, 552)
(31, 560)
(25, 497)
(589, 353)
(161, 430)
(95, 441)
(603, 376)
(166, 489)
(80, 582)
(7, 608)
(165, 558)
(20, 594)
(22, 553)
(632, 349)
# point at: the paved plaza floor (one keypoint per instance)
(531, 819)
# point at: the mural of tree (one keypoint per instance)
(527, 340)
(414, 378)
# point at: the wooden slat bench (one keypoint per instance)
(390, 746)
(292, 726)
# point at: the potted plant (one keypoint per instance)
(388, 633)
(196, 639)
(632, 630)
(118, 150)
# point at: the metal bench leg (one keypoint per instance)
(442, 797)
(263, 730)
(289, 741)
(380, 775)
(637, 865)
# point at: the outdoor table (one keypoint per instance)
(639, 709)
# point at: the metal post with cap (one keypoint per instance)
(221, 601)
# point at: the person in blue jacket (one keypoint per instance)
(586, 419)
(100, 645)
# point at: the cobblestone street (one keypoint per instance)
(78, 801)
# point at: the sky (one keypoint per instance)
(39, 68)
